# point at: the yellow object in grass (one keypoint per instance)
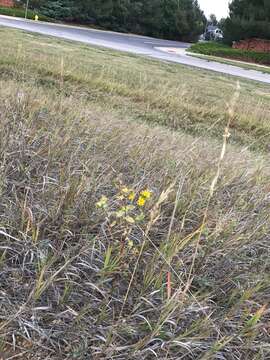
(131, 196)
(141, 201)
(146, 194)
(103, 202)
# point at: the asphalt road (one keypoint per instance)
(139, 45)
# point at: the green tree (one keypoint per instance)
(213, 20)
(172, 19)
(248, 19)
(60, 9)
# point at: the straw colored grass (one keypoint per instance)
(187, 280)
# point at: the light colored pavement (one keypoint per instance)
(139, 45)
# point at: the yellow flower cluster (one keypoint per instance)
(129, 193)
(144, 196)
(126, 193)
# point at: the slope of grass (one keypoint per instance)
(225, 51)
(86, 272)
(186, 99)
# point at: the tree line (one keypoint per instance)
(170, 19)
(248, 19)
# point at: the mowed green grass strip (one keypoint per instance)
(225, 51)
(124, 232)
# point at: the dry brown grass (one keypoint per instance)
(180, 98)
(72, 287)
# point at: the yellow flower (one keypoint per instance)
(141, 201)
(103, 202)
(146, 194)
(131, 196)
(130, 243)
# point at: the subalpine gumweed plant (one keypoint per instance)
(129, 218)
(126, 215)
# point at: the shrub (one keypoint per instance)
(19, 12)
(217, 49)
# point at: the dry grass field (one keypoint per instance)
(134, 212)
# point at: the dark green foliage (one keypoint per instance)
(216, 49)
(172, 19)
(34, 4)
(18, 12)
(60, 9)
(248, 19)
(236, 29)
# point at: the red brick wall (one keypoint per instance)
(7, 3)
(253, 45)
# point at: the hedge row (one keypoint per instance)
(221, 50)
(18, 12)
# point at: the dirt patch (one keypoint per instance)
(7, 3)
(258, 45)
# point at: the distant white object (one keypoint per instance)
(202, 38)
(213, 33)
(218, 34)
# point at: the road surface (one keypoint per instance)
(139, 45)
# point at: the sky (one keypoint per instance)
(217, 7)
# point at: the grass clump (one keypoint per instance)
(122, 237)
(225, 51)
